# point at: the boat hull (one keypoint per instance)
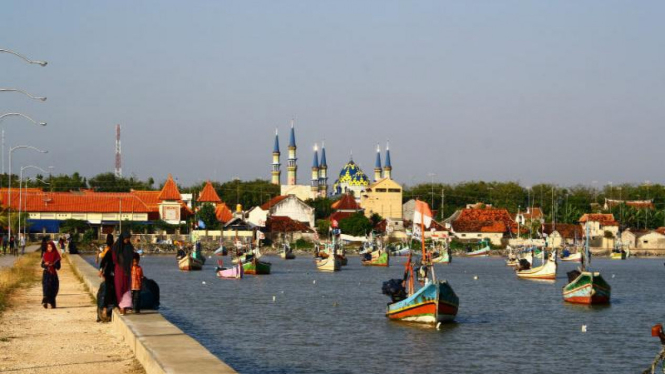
(573, 257)
(188, 263)
(444, 258)
(287, 255)
(236, 272)
(483, 252)
(543, 272)
(328, 264)
(431, 304)
(588, 288)
(381, 259)
(618, 256)
(256, 267)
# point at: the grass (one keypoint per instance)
(21, 275)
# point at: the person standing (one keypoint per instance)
(106, 269)
(12, 245)
(50, 281)
(21, 243)
(137, 281)
(45, 241)
(5, 243)
(123, 255)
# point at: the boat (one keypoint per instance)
(221, 251)
(188, 263)
(546, 271)
(435, 301)
(443, 256)
(399, 250)
(584, 286)
(253, 266)
(234, 272)
(287, 252)
(567, 256)
(483, 251)
(331, 262)
(377, 258)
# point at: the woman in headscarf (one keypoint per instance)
(106, 270)
(50, 282)
(123, 255)
(44, 245)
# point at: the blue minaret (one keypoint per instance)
(387, 168)
(292, 167)
(276, 172)
(377, 164)
(323, 172)
(315, 172)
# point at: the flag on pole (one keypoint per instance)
(422, 213)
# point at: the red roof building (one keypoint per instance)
(602, 219)
(170, 190)
(286, 224)
(488, 220)
(209, 195)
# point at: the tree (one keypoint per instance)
(322, 227)
(375, 219)
(322, 207)
(356, 225)
(209, 217)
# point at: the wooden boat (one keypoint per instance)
(342, 259)
(234, 272)
(254, 266)
(188, 263)
(435, 301)
(484, 251)
(546, 271)
(287, 253)
(377, 258)
(584, 286)
(619, 255)
(577, 257)
(328, 264)
(221, 251)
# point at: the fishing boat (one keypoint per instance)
(253, 266)
(442, 256)
(546, 271)
(234, 272)
(287, 252)
(377, 258)
(188, 263)
(400, 251)
(331, 261)
(435, 301)
(221, 251)
(566, 255)
(584, 286)
(483, 251)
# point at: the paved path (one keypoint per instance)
(62, 340)
(8, 260)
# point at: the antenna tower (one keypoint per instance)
(118, 153)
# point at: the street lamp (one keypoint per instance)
(20, 197)
(41, 63)
(23, 92)
(26, 205)
(9, 193)
(2, 117)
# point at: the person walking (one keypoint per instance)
(45, 241)
(12, 245)
(21, 243)
(137, 281)
(50, 281)
(123, 256)
(106, 271)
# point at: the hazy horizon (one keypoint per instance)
(565, 93)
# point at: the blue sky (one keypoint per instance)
(564, 92)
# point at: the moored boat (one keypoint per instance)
(584, 286)
(188, 263)
(567, 256)
(377, 258)
(234, 272)
(254, 266)
(483, 251)
(546, 271)
(287, 253)
(330, 263)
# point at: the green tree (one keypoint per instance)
(322, 227)
(208, 216)
(322, 207)
(356, 225)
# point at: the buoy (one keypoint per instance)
(314, 281)
(273, 299)
(282, 291)
(204, 282)
(438, 326)
(335, 303)
(475, 277)
(612, 275)
(583, 328)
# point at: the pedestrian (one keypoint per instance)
(5, 243)
(12, 246)
(106, 269)
(137, 281)
(21, 243)
(45, 241)
(50, 282)
(61, 242)
(123, 255)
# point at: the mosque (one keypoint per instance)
(351, 178)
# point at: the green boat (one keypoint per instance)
(376, 258)
(254, 266)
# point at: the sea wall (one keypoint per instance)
(159, 346)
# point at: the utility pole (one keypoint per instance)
(443, 199)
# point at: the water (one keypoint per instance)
(337, 324)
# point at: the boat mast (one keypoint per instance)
(587, 251)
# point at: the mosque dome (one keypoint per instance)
(350, 176)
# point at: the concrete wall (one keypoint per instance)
(158, 345)
(494, 238)
(295, 209)
(652, 240)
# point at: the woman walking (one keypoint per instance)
(106, 270)
(123, 255)
(50, 282)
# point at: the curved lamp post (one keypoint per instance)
(38, 180)
(23, 92)
(9, 193)
(41, 63)
(2, 117)
(20, 196)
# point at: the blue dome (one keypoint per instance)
(351, 175)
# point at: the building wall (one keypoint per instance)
(257, 217)
(93, 218)
(303, 192)
(294, 209)
(595, 229)
(652, 240)
(494, 238)
(628, 239)
(383, 198)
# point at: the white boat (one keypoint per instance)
(546, 271)
(577, 257)
(331, 263)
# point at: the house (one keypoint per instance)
(488, 223)
(561, 234)
(257, 216)
(531, 215)
(290, 206)
(383, 197)
(630, 237)
(651, 240)
(344, 208)
(599, 223)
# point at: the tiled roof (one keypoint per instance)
(223, 213)
(274, 201)
(480, 226)
(567, 230)
(347, 202)
(603, 219)
(637, 204)
(170, 190)
(208, 194)
(338, 216)
(484, 220)
(101, 202)
(286, 224)
(532, 214)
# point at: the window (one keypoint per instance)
(380, 190)
(463, 235)
(396, 190)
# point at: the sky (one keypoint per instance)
(565, 92)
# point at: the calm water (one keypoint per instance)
(335, 323)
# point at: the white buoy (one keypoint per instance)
(438, 326)
(273, 299)
(583, 328)
(314, 281)
(475, 277)
(612, 275)
(282, 291)
(204, 282)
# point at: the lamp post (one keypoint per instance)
(2, 117)
(36, 62)
(9, 193)
(23, 92)
(20, 196)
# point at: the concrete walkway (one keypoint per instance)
(6, 260)
(62, 340)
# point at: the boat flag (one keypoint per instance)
(422, 213)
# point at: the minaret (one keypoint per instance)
(377, 164)
(387, 168)
(315, 172)
(276, 172)
(323, 173)
(292, 167)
